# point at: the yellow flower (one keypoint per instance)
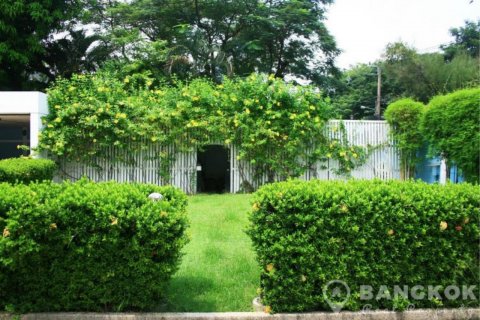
(255, 206)
(270, 267)
(58, 119)
(114, 221)
(247, 111)
(6, 232)
(344, 208)
(268, 309)
(149, 83)
(443, 225)
(271, 77)
(57, 107)
(53, 226)
(126, 80)
(391, 232)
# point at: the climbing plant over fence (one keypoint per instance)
(277, 127)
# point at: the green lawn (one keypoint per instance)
(218, 271)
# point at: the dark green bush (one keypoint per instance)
(25, 170)
(373, 233)
(404, 117)
(88, 246)
(451, 126)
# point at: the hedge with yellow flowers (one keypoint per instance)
(374, 233)
(277, 127)
(88, 246)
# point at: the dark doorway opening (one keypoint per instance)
(14, 131)
(213, 169)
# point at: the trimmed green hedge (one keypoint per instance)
(373, 233)
(451, 126)
(88, 246)
(25, 170)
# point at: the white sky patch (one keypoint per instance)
(362, 29)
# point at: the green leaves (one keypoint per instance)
(278, 127)
(404, 118)
(452, 128)
(363, 233)
(26, 170)
(88, 247)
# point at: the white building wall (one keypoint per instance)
(30, 103)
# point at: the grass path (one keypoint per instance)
(218, 271)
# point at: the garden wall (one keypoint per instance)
(382, 163)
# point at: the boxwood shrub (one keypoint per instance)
(25, 170)
(375, 233)
(88, 246)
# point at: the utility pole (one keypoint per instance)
(379, 93)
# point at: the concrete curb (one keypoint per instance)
(421, 314)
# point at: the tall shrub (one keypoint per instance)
(404, 118)
(451, 125)
(88, 246)
(375, 233)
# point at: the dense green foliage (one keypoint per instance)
(219, 38)
(279, 128)
(404, 118)
(451, 125)
(25, 33)
(466, 39)
(364, 233)
(87, 246)
(25, 170)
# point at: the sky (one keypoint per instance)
(362, 28)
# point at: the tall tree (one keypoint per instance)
(466, 39)
(25, 27)
(225, 37)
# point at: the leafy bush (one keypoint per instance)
(278, 127)
(404, 118)
(451, 126)
(373, 233)
(88, 246)
(26, 170)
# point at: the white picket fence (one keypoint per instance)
(383, 163)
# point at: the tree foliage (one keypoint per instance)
(278, 128)
(466, 39)
(404, 118)
(452, 128)
(217, 38)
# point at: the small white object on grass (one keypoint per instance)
(155, 196)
